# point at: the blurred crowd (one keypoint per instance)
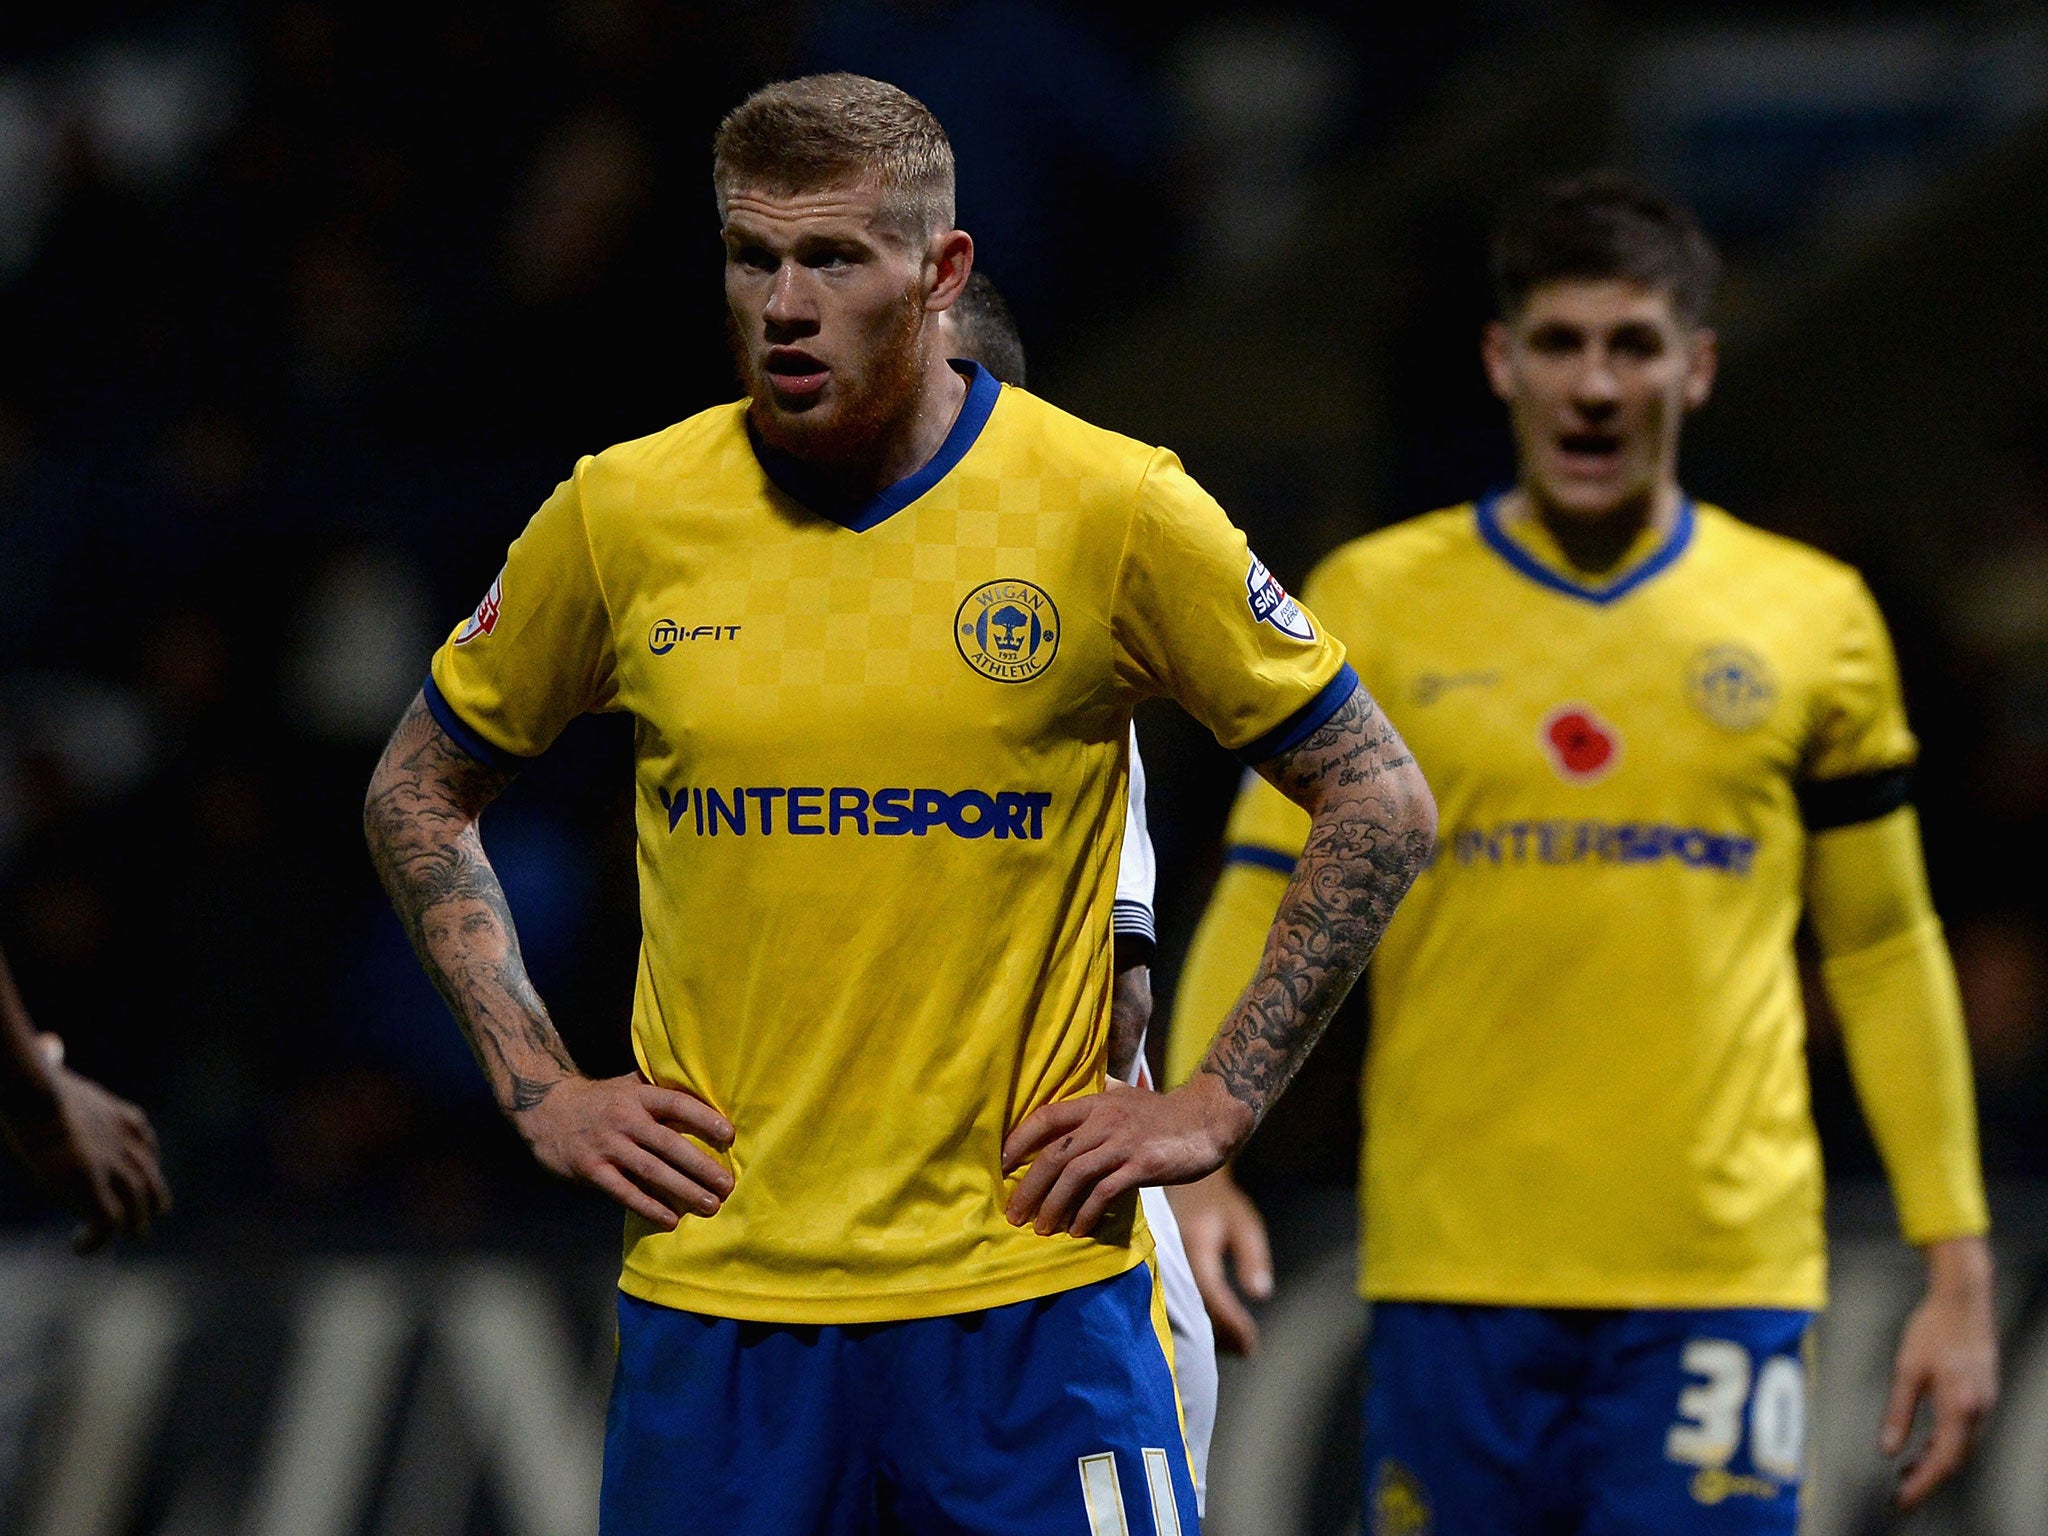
(308, 305)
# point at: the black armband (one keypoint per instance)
(1825, 804)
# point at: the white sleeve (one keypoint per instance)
(1137, 870)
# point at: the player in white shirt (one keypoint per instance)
(1194, 1343)
(981, 329)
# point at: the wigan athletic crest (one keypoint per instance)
(1007, 630)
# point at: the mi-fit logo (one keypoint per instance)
(843, 811)
(667, 633)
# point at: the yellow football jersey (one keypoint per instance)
(881, 758)
(1586, 1081)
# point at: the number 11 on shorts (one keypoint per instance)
(1104, 1495)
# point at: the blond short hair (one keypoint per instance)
(839, 130)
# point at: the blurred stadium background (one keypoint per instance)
(305, 306)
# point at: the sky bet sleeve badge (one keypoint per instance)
(485, 619)
(1007, 630)
(1271, 604)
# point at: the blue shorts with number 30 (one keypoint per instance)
(1053, 1417)
(1527, 1421)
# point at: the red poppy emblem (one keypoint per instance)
(1582, 746)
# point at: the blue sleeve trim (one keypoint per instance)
(464, 735)
(1304, 722)
(1264, 858)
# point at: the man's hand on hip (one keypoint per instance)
(1085, 1153)
(631, 1139)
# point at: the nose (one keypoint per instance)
(789, 312)
(1595, 389)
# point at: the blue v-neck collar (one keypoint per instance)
(802, 483)
(1666, 554)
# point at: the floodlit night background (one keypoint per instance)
(304, 308)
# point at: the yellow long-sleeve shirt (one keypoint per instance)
(1586, 1082)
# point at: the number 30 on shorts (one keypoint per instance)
(1104, 1495)
(1711, 1410)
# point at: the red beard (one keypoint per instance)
(854, 422)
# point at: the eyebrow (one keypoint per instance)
(1631, 325)
(807, 238)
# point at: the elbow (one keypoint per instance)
(1384, 829)
(1418, 821)
(1842, 937)
(374, 798)
(1422, 812)
(1855, 911)
(382, 798)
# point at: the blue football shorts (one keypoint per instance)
(1528, 1421)
(1051, 1417)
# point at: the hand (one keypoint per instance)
(1948, 1354)
(1085, 1153)
(1218, 1219)
(630, 1139)
(94, 1151)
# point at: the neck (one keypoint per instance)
(923, 427)
(892, 448)
(1596, 544)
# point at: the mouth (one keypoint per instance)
(795, 374)
(1589, 453)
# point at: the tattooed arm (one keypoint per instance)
(1373, 822)
(622, 1135)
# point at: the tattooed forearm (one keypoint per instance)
(1373, 825)
(420, 817)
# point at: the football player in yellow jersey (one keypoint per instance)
(881, 626)
(1590, 1189)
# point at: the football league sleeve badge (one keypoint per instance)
(485, 619)
(1270, 603)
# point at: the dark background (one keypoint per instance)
(303, 309)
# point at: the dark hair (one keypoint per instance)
(835, 130)
(988, 333)
(1602, 225)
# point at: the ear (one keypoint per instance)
(1701, 367)
(1495, 343)
(948, 262)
